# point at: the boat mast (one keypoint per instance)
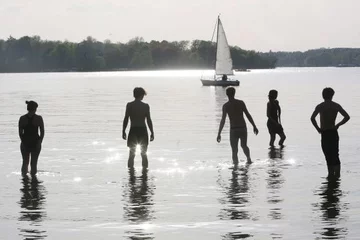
(217, 38)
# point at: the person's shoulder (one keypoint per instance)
(146, 105)
(38, 119)
(320, 105)
(225, 105)
(240, 102)
(336, 105)
(22, 118)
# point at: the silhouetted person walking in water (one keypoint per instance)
(138, 111)
(328, 111)
(273, 113)
(29, 126)
(235, 109)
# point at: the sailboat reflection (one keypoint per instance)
(275, 181)
(331, 208)
(138, 202)
(32, 207)
(236, 199)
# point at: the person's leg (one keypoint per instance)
(271, 132)
(282, 138)
(145, 163)
(272, 139)
(243, 139)
(131, 156)
(26, 157)
(143, 140)
(337, 170)
(234, 142)
(326, 148)
(336, 159)
(330, 171)
(131, 143)
(34, 160)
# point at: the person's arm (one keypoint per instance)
(125, 122)
(279, 111)
(42, 129)
(313, 119)
(249, 117)
(149, 123)
(345, 119)
(21, 129)
(222, 123)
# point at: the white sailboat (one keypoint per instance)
(223, 65)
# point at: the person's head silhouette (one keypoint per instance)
(139, 93)
(230, 92)
(328, 93)
(31, 106)
(273, 94)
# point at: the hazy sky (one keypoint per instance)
(260, 25)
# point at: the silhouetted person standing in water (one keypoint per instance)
(138, 111)
(328, 111)
(224, 77)
(235, 109)
(29, 126)
(273, 113)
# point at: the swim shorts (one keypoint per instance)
(138, 136)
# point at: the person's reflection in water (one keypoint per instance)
(330, 207)
(275, 181)
(236, 199)
(139, 200)
(32, 207)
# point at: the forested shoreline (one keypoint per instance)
(32, 54)
(323, 57)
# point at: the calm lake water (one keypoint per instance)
(191, 191)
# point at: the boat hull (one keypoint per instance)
(220, 83)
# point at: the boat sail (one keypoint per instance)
(223, 65)
(223, 58)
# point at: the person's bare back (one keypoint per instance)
(137, 111)
(328, 111)
(37, 120)
(235, 109)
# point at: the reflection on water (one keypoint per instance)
(274, 196)
(276, 153)
(138, 197)
(236, 199)
(32, 207)
(233, 236)
(331, 208)
(275, 181)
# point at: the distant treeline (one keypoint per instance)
(323, 57)
(31, 54)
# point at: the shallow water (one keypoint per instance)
(191, 191)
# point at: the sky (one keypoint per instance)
(261, 25)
